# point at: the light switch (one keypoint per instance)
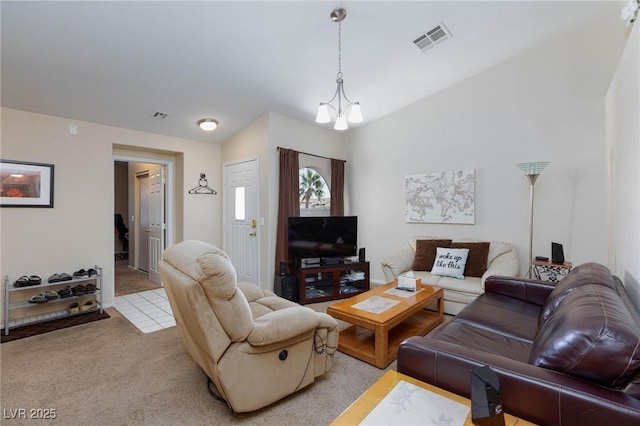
(73, 129)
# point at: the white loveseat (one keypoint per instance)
(502, 260)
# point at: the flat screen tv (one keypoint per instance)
(322, 237)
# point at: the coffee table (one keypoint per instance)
(375, 337)
(361, 408)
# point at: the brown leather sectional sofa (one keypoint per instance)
(565, 355)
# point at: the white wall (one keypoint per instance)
(623, 153)
(78, 231)
(546, 104)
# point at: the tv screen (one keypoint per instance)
(333, 236)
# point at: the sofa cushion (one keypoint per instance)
(502, 314)
(585, 274)
(426, 253)
(591, 335)
(450, 262)
(477, 259)
(482, 340)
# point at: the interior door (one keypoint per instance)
(242, 233)
(157, 182)
(143, 222)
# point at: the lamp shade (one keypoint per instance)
(355, 115)
(323, 114)
(341, 122)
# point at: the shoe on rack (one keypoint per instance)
(65, 292)
(73, 308)
(50, 295)
(78, 290)
(88, 305)
(23, 281)
(81, 274)
(55, 278)
(34, 280)
(65, 277)
(89, 288)
(91, 272)
(38, 298)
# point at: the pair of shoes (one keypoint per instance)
(25, 281)
(55, 278)
(90, 288)
(74, 308)
(85, 273)
(65, 292)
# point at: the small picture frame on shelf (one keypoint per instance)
(26, 184)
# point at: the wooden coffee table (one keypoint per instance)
(361, 408)
(375, 338)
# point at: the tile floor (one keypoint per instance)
(148, 310)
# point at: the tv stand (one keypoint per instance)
(330, 282)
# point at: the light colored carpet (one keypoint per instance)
(109, 373)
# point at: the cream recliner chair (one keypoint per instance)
(254, 346)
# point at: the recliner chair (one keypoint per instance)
(255, 346)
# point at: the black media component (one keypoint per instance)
(486, 401)
(322, 237)
(557, 253)
(361, 256)
(283, 268)
(286, 286)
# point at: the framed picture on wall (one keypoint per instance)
(25, 184)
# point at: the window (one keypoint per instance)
(315, 198)
(240, 207)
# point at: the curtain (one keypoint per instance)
(288, 201)
(337, 187)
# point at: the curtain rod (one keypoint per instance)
(315, 155)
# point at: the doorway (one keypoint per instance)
(143, 190)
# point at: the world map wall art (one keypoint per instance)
(440, 197)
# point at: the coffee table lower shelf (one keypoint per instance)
(360, 342)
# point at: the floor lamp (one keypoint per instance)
(532, 170)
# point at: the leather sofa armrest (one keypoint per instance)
(531, 291)
(399, 262)
(559, 398)
(282, 325)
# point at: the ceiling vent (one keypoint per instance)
(430, 38)
(160, 115)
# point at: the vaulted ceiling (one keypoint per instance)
(117, 63)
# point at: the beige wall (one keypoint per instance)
(78, 231)
(546, 104)
(623, 155)
(262, 138)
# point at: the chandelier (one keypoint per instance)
(355, 113)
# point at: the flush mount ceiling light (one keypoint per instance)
(355, 113)
(208, 124)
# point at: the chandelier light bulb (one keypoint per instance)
(323, 114)
(341, 122)
(355, 115)
(208, 124)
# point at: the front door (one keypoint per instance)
(157, 180)
(241, 227)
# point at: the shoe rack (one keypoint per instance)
(17, 298)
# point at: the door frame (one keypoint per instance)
(225, 202)
(169, 201)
